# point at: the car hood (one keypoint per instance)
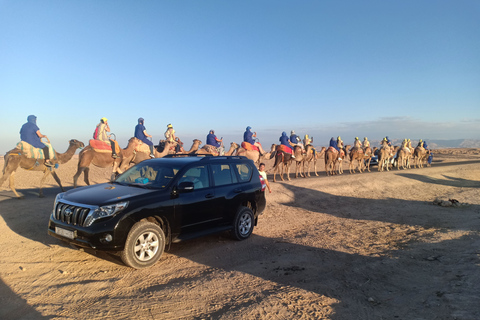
(105, 193)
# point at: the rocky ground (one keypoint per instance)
(357, 246)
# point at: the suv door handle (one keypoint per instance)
(237, 190)
(209, 195)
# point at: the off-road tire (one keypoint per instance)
(243, 224)
(144, 245)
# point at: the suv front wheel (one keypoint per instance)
(243, 224)
(144, 245)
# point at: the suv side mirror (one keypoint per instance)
(185, 186)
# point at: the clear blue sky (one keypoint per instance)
(406, 69)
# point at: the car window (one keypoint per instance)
(244, 172)
(151, 175)
(223, 174)
(197, 175)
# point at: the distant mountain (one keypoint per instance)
(460, 143)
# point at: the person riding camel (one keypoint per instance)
(339, 142)
(409, 144)
(308, 141)
(101, 134)
(296, 140)
(141, 134)
(366, 143)
(287, 143)
(404, 145)
(170, 137)
(248, 138)
(334, 144)
(30, 133)
(214, 141)
(357, 143)
(389, 143)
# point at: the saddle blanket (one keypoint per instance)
(284, 148)
(103, 147)
(249, 146)
(36, 153)
(212, 149)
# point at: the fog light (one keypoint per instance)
(106, 238)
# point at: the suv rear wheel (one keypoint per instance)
(144, 245)
(243, 223)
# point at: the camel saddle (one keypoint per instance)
(359, 149)
(104, 147)
(284, 148)
(332, 149)
(249, 147)
(211, 149)
(36, 153)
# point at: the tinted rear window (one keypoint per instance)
(244, 172)
(223, 174)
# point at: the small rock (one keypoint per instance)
(63, 272)
(23, 268)
(370, 299)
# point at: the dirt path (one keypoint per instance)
(370, 246)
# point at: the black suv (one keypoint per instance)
(161, 201)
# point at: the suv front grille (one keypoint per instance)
(71, 214)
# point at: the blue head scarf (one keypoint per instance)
(32, 119)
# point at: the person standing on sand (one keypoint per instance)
(30, 133)
(261, 170)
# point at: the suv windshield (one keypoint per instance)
(151, 175)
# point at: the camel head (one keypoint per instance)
(197, 142)
(76, 143)
(234, 145)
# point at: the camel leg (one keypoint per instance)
(77, 175)
(12, 185)
(315, 167)
(46, 173)
(57, 179)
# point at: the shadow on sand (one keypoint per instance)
(350, 278)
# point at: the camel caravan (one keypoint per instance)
(34, 154)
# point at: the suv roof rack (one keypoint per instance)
(203, 156)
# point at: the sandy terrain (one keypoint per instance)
(362, 246)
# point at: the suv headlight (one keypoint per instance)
(105, 211)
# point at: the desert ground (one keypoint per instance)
(353, 246)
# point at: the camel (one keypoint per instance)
(420, 155)
(194, 148)
(104, 160)
(212, 151)
(403, 157)
(368, 156)
(282, 162)
(139, 156)
(298, 161)
(385, 156)
(254, 155)
(357, 155)
(310, 157)
(15, 158)
(331, 156)
(340, 159)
